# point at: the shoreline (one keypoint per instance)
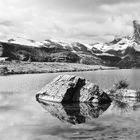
(20, 67)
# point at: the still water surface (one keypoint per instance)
(23, 118)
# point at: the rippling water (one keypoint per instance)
(24, 118)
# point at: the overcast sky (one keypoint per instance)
(71, 20)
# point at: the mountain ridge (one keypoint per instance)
(119, 52)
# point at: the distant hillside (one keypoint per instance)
(52, 52)
(123, 52)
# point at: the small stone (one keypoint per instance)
(3, 70)
(95, 100)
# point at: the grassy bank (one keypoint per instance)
(47, 67)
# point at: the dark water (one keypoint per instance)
(24, 118)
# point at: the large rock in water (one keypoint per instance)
(70, 88)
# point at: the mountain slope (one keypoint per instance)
(47, 51)
(123, 52)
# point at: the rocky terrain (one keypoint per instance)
(48, 51)
(123, 52)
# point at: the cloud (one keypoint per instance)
(66, 19)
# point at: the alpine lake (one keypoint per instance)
(22, 117)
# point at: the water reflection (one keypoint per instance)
(126, 105)
(74, 113)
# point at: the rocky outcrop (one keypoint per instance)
(74, 113)
(70, 88)
(136, 36)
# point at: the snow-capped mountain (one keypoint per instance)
(49, 43)
(98, 48)
(122, 43)
(122, 51)
(24, 41)
(117, 44)
(24, 49)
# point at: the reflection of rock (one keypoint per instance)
(124, 105)
(69, 88)
(74, 113)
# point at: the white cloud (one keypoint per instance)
(66, 19)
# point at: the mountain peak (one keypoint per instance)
(136, 36)
(24, 41)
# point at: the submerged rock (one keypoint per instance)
(70, 88)
(74, 113)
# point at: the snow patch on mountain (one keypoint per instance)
(88, 46)
(120, 44)
(104, 54)
(25, 41)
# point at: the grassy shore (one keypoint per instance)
(46, 67)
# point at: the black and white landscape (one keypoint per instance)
(69, 69)
(121, 52)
